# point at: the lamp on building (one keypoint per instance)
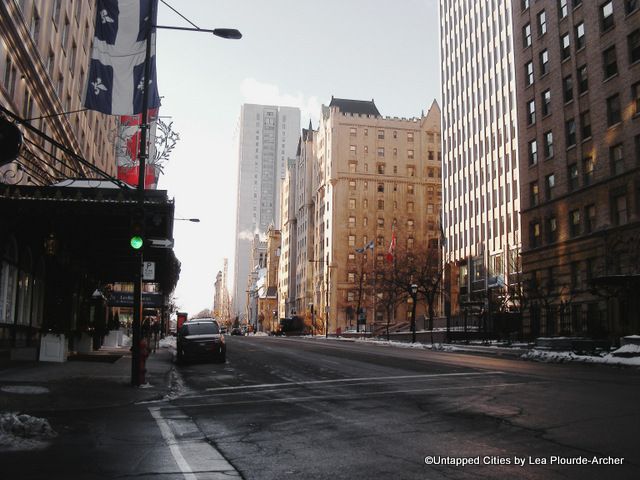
(194, 220)
(414, 297)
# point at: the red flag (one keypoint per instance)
(392, 245)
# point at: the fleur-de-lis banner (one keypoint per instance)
(116, 70)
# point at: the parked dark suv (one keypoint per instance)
(201, 339)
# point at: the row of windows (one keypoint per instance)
(380, 222)
(353, 149)
(410, 206)
(381, 168)
(609, 61)
(614, 116)
(580, 221)
(381, 188)
(353, 132)
(606, 12)
(380, 242)
(616, 167)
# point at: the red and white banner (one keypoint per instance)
(128, 148)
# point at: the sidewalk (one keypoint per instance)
(515, 351)
(97, 380)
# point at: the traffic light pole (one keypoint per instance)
(136, 366)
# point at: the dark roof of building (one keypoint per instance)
(361, 107)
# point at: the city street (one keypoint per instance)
(316, 408)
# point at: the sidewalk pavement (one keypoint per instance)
(96, 380)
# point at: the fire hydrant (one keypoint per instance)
(144, 353)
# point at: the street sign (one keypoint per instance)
(125, 299)
(149, 271)
(161, 242)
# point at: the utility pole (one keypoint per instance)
(138, 306)
(136, 368)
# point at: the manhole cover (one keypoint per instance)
(25, 389)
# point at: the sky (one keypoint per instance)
(293, 53)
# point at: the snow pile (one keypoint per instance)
(394, 343)
(562, 357)
(25, 389)
(628, 350)
(168, 342)
(24, 432)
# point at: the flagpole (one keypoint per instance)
(136, 365)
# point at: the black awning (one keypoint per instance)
(88, 228)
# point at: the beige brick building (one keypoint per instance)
(578, 83)
(44, 56)
(371, 174)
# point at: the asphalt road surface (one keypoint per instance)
(295, 408)
(315, 409)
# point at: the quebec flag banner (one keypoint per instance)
(116, 70)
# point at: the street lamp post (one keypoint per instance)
(414, 297)
(326, 304)
(359, 311)
(136, 369)
(313, 320)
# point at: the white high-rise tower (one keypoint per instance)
(480, 175)
(268, 137)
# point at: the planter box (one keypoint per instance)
(53, 348)
(84, 344)
(111, 338)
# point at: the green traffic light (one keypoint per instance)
(136, 242)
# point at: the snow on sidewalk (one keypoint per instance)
(24, 432)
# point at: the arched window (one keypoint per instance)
(8, 281)
(25, 288)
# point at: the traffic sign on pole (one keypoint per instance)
(160, 242)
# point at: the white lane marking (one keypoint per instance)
(343, 380)
(349, 396)
(171, 441)
(205, 458)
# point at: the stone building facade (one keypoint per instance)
(373, 178)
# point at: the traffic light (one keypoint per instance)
(136, 242)
(136, 236)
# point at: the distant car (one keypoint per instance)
(201, 339)
(236, 331)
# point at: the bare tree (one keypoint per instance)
(422, 267)
(206, 313)
(389, 294)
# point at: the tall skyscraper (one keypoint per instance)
(268, 138)
(481, 202)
